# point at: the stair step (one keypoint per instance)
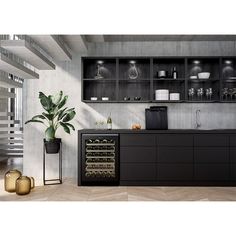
(15, 68)
(6, 113)
(10, 146)
(10, 129)
(6, 94)
(3, 156)
(8, 151)
(9, 141)
(54, 45)
(9, 83)
(11, 135)
(29, 53)
(9, 122)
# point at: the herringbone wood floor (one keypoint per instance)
(69, 191)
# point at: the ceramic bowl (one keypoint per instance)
(204, 75)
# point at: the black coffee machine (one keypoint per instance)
(156, 117)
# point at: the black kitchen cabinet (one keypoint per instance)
(193, 158)
(175, 155)
(211, 140)
(232, 141)
(211, 155)
(137, 154)
(233, 171)
(212, 172)
(137, 172)
(137, 140)
(174, 172)
(175, 140)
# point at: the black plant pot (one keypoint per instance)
(52, 146)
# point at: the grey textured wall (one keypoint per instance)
(67, 77)
(3, 101)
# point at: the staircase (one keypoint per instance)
(21, 57)
(11, 136)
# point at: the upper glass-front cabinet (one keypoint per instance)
(158, 79)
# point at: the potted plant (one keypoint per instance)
(55, 115)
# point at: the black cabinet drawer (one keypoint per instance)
(233, 154)
(174, 172)
(137, 140)
(137, 154)
(211, 140)
(137, 172)
(233, 172)
(212, 172)
(232, 140)
(175, 154)
(211, 155)
(175, 140)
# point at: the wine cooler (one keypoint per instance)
(99, 163)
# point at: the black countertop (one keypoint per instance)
(169, 131)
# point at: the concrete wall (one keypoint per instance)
(67, 77)
(3, 101)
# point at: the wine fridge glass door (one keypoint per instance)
(100, 154)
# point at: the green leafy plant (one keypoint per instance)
(55, 116)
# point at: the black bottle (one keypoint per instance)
(174, 73)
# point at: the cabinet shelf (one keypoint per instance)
(116, 84)
(134, 80)
(229, 80)
(222, 101)
(100, 80)
(203, 80)
(169, 80)
(202, 101)
(167, 101)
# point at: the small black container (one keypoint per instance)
(52, 146)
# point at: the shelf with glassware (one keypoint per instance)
(203, 83)
(228, 81)
(144, 80)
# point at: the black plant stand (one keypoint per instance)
(52, 181)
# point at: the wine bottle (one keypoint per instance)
(109, 122)
(174, 73)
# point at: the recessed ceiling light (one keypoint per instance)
(196, 62)
(228, 62)
(100, 62)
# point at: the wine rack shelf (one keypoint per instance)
(99, 162)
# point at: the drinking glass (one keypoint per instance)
(200, 93)
(207, 93)
(225, 92)
(191, 93)
(231, 93)
(234, 92)
(210, 92)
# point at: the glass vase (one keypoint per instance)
(23, 185)
(133, 72)
(10, 180)
(32, 182)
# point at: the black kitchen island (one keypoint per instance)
(171, 157)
